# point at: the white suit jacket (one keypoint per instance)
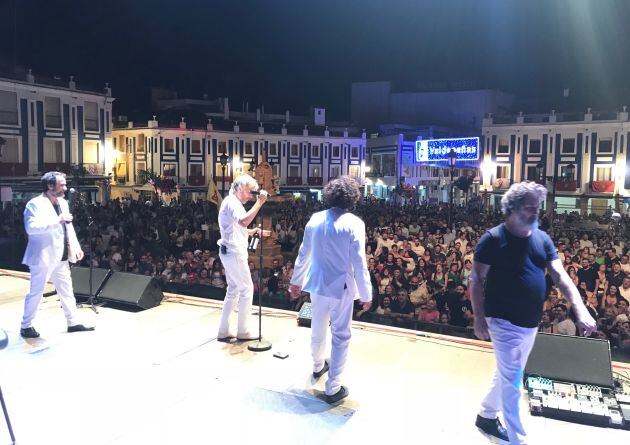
(45, 233)
(332, 256)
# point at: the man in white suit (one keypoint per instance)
(52, 242)
(331, 266)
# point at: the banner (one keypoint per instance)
(603, 186)
(213, 194)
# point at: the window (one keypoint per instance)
(294, 150)
(140, 166)
(564, 172)
(503, 171)
(222, 148)
(196, 170)
(294, 171)
(315, 151)
(353, 171)
(355, 152)
(10, 150)
(169, 169)
(535, 147)
(605, 147)
(436, 172)
(195, 147)
(8, 108)
(52, 108)
(568, 147)
(315, 171)
(169, 146)
(275, 168)
(249, 150)
(335, 151)
(603, 173)
(91, 116)
(531, 173)
(90, 152)
(219, 169)
(140, 148)
(273, 150)
(504, 147)
(53, 151)
(335, 171)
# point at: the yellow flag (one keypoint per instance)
(213, 194)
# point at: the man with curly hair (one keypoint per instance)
(331, 266)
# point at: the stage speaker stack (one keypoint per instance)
(123, 288)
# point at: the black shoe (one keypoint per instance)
(29, 332)
(339, 395)
(80, 328)
(247, 338)
(322, 371)
(492, 427)
(225, 339)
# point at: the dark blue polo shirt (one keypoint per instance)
(515, 285)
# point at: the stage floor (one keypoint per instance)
(160, 377)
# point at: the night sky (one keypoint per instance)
(298, 53)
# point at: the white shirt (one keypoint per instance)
(233, 235)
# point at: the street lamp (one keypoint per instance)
(569, 175)
(452, 159)
(223, 159)
(252, 166)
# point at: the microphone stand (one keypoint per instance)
(260, 345)
(91, 297)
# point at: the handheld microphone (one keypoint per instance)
(71, 194)
(258, 192)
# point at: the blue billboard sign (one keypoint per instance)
(436, 150)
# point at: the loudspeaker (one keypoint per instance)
(81, 280)
(571, 359)
(305, 315)
(133, 290)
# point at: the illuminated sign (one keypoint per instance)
(435, 150)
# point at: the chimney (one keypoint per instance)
(130, 124)
(363, 134)
(257, 114)
(284, 130)
(623, 115)
(72, 84)
(326, 132)
(552, 117)
(108, 90)
(345, 132)
(30, 78)
(261, 129)
(520, 119)
(182, 124)
(286, 116)
(209, 125)
(305, 131)
(153, 123)
(588, 117)
(226, 108)
(236, 128)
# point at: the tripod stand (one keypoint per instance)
(260, 345)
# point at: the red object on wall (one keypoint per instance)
(566, 186)
(603, 186)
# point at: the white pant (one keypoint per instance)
(239, 287)
(337, 311)
(59, 274)
(512, 345)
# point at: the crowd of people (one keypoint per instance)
(419, 268)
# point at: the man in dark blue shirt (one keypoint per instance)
(510, 260)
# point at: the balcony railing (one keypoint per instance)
(198, 180)
(13, 169)
(294, 180)
(57, 166)
(314, 180)
(93, 169)
(501, 183)
(603, 186)
(566, 186)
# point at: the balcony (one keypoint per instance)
(93, 169)
(57, 167)
(314, 180)
(294, 180)
(603, 186)
(566, 186)
(13, 169)
(198, 180)
(501, 183)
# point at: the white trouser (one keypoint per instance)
(512, 345)
(59, 274)
(239, 287)
(337, 311)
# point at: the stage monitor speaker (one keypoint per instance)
(571, 359)
(81, 280)
(132, 290)
(305, 315)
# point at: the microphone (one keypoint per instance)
(71, 194)
(259, 192)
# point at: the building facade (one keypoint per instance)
(48, 126)
(303, 162)
(581, 158)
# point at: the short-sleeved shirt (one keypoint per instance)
(233, 235)
(515, 285)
